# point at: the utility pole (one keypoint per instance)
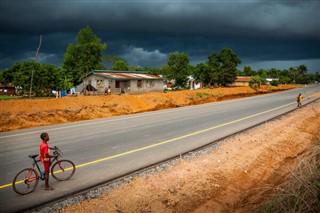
(35, 59)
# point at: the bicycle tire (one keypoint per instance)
(23, 186)
(68, 170)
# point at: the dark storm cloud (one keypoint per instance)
(145, 32)
(210, 18)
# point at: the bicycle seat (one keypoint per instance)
(33, 156)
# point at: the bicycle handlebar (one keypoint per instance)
(58, 152)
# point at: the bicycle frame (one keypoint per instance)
(29, 177)
(62, 169)
(35, 163)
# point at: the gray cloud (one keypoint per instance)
(145, 31)
(142, 57)
(211, 18)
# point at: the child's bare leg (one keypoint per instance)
(47, 187)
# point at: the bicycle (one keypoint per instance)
(27, 179)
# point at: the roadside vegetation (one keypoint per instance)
(88, 53)
(301, 192)
(7, 97)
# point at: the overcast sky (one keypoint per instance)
(264, 33)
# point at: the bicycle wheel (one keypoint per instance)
(25, 181)
(63, 170)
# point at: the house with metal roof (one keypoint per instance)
(7, 89)
(242, 81)
(100, 81)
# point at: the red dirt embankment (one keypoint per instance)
(20, 114)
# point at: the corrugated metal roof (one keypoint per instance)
(243, 78)
(125, 75)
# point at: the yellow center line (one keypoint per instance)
(87, 124)
(167, 141)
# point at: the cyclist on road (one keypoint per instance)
(299, 100)
(45, 157)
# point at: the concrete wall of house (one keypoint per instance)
(7, 90)
(98, 82)
(79, 88)
(146, 85)
(241, 83)
(116, 86)
(112, 84)
(193, 85)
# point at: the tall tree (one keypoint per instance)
(111, 58)
(273, 73)
(224, 65)
(247, 70)
(84, 56)
(47, 77)
(120, 65)
(302, 69)
(178, 65)
(203, 73)
(294, 73)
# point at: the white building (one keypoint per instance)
(99, 81)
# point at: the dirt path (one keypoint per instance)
(235, 177)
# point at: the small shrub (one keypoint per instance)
(199, 94)
(202, 94)
(274, 83)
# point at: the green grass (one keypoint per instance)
(202, 94)
(6, 97)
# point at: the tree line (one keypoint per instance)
(88, 54)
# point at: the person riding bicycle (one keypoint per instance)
(299, 100)
(45, 157)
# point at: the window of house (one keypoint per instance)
(117, 84)
(100, 83)
(139, 83)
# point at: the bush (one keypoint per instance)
(202, 94)
(274, 83)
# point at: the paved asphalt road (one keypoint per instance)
(126, 143)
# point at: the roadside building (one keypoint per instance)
(271, 79)
(8, 89)
(242, 81)
(193, 84)
(118, 82)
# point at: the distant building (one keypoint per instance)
(99, 81)
(271, 79)
(8, 89)
(242, 81)
(193, 84)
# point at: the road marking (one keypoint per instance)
(97, 122)
(167, 141)
(9, 184)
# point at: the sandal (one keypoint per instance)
(49, 189)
